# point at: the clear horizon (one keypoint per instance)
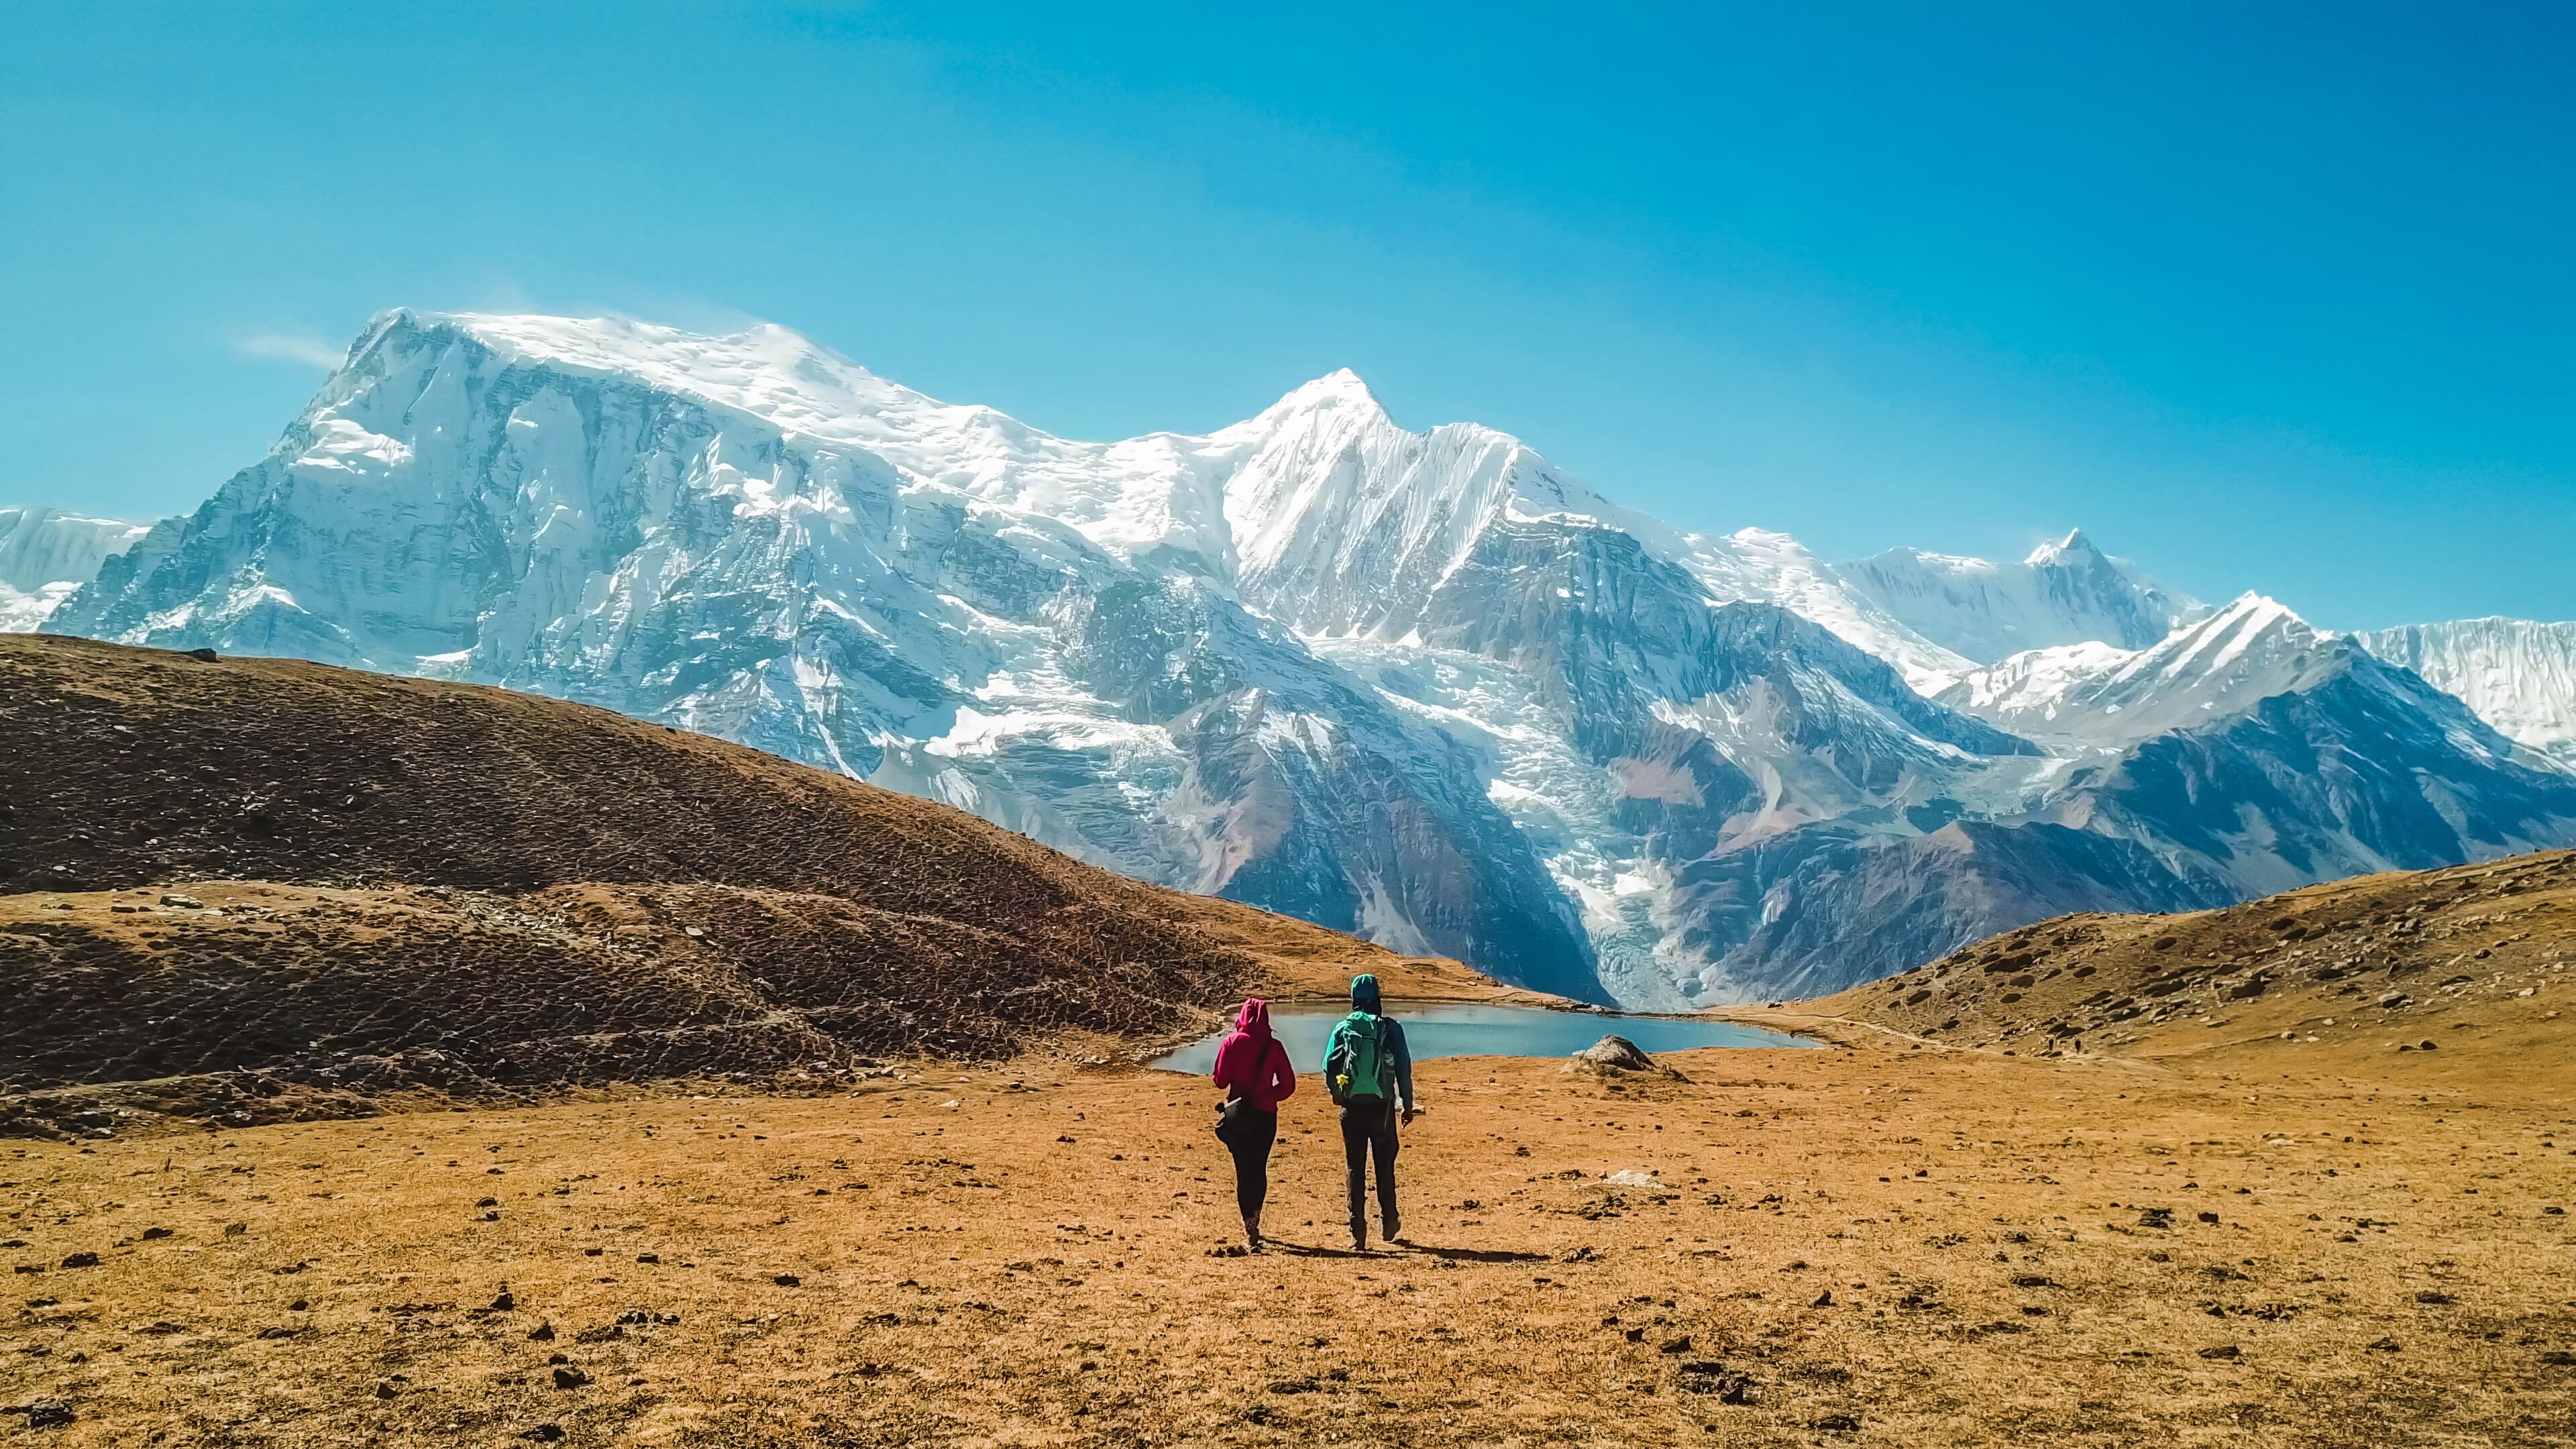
(2267, 302)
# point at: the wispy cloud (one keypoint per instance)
(300, 347)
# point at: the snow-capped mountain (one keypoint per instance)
(2515, 674)
(46, 553)
(2065, 593)
(2096, 696)
(2257, 753)
(1423, 686)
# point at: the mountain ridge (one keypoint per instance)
(1424, 686)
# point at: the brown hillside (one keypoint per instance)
(341, 883)
(2473, 956)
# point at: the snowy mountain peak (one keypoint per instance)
(767, 371)
(2073, 548)
(1340, 388)
(2246, 621)
(2094, 695)
(1425, 686)
(2066, 592)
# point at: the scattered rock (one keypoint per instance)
(2384, 1344)
(81, 1260)
(43, 1413)
(1823, 1300)
(1617, 1056)
(503, 1302)
(1675, 1345)
(1617, 1053)
(1699, 1376)
(384, 1391)
(1838, 1424)
(154, 1235)
(786, 1280)
(173, 898)
(568, 1377)
(543, 1332)
(2223, 1351)
(544, 1434)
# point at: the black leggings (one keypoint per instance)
(1368, 1127)
(1252, 1159)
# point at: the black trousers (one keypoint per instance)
(1368, 1126)
(1252, 1159)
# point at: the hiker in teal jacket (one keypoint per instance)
(1370, 1074)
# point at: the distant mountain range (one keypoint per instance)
(1420, 686)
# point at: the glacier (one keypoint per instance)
(1423, 686)
(2517, 674)
(2065, 593)
(46, 554)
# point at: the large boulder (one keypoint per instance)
(1618, 1057)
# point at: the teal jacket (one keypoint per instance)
(1399, 1060)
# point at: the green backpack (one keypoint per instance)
(1359, 1065)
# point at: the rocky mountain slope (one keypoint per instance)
(1420, 686)
(350, 883)
(2377, 964)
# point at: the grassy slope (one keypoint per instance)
(2475, 960)
(407, 884)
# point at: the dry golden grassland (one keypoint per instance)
(362, 980)
(1880, 1244)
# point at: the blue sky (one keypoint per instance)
(2270, 296)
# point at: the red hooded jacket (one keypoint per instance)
(1251, 1063)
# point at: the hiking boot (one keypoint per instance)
(1394, 1231)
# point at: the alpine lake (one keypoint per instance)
(1456, 1029)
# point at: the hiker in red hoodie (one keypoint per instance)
(1253, 1068)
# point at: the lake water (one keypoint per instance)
(1453, 1030)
